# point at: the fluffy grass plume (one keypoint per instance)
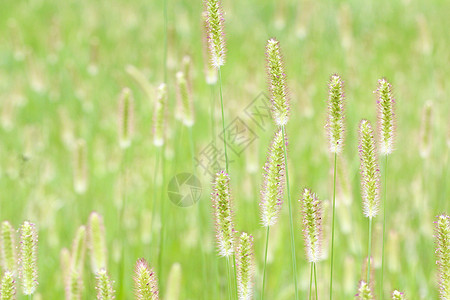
(245, 266)
(335, 120)
(97, 242)
(159, 115)
(8, 288)
(223, 214)
(8, 248)
(272, 191)
(126, 112)
(277, 83)
(104, 286)
(386, 116)
(28, 256)
(185, 104)
(146, 283)
(442, 236)
(396, 295)
(364, 291)
(370, 172)
(312, 225)
(80, 182)
(215, 32)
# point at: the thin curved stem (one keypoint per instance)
(315, 281)
(384, 225)
(310, 281)
(191, 143)
(223, 121)
(229, 278)
(332, 226)
(370, 246)
(265, 264)
(294, 264)
(165, 40)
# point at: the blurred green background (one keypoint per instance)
(64, 63)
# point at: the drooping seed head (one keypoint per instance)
(186, 108)
(442, 236)
(215, 32)
(370, 173)
(223, 214)
(277, 83)
(146, 283)
(312, 225)
(426, 128)
(245, 266)
(8, 248)
(159, 115)
(272, 191)
(80, 167)
(97, 242)
(8, 288)
(386, 116)
(335, 121)
(364, 291)
(28, 255)
(396, 295)
(104, 286)
(78, 249)
(126, 113)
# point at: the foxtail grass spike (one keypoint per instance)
(8, 288)
(272, 191)
(364, 291)
(442, 236)
(223, 214)
(312, 225)
(370, 172)
(126, 118)
(80, 167)
(209, 70)
(396, 295)
(386, 116)
(97, 242)
(426, 130)
(79, 249)
(65, 262)
(159, 115)
(245, 266)
(185, 100)
(74, 285)
(8, 248)
(215, 32)
(146, 283)
(277, 83)
(28, 256)
(335, 121)
(174, 283)
(104, 286)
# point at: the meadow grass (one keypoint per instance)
(63, 65)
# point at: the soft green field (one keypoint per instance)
(64, 63)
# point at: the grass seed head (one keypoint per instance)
(245, 266)
(364, 291)
(28, 256)
(97, 242)
(370, 172)
(335, 121)
(8, 288)
(312, 225)
(386, 116)
(272, 191)
(185, 104)
(126, 118)
(396, 295)
(277, 83)
(146, 283)
(104, 286)
(8, 248)
(215, 32)
(223, 214)
(159, 115)
(442, 236)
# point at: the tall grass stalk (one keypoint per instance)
(265, 263)
(332, 225)
(223, 120)
(369, 248)
(310, 281)
(291, 223)
(315, 280)
(384, 224)
(229, 278)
